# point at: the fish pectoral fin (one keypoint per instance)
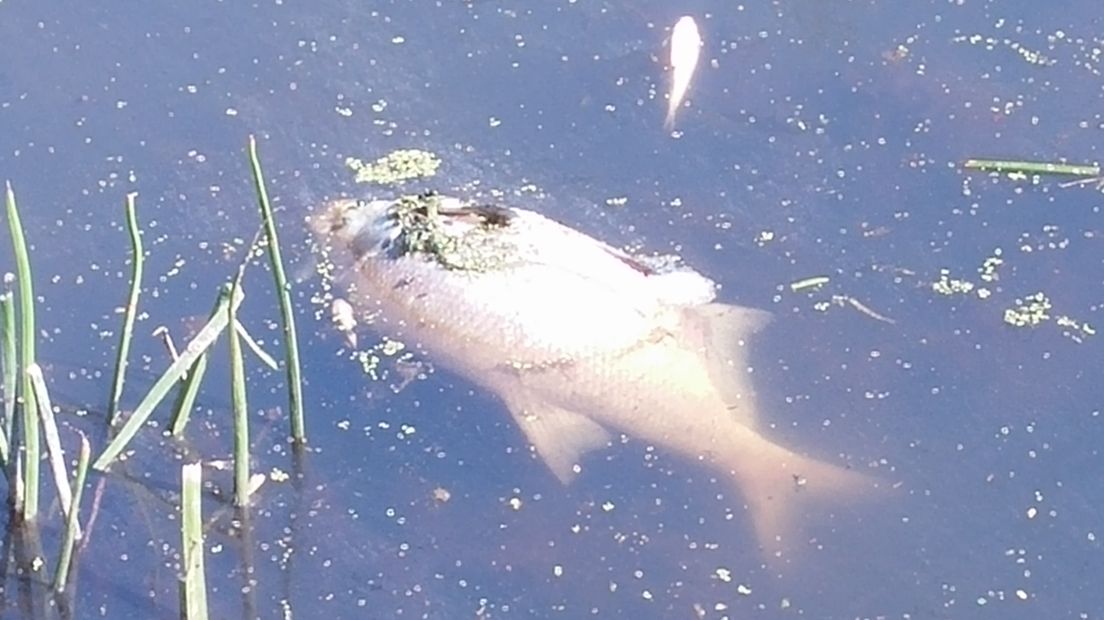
(561, 437)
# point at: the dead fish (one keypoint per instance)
(686, 44)
(578, 338)
(344, 320)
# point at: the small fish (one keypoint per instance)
(578, 339)
(344, 319)
(686, 44)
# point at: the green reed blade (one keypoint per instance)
(27, 357)
(182, 410)
(7, 358)
(200, 343)
(121, 355)
(72, 521)
(295, 388)
(261, 354)
(1032, 167)
(191, 533)
(55, 454)
(241, 409)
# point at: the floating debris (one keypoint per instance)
(990, 43)
(946, 285)
(395, 167)
(1075, 330)
(1031, 167)
(1029, 312)
(1034, 310)
(764, 237)
(813, 282)
(988, 269)
(1023, 168)
(847, 300)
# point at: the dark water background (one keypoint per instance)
(838, 128)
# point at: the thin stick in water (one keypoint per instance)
(191, 533)
(72, 521)
(131, 308)
(27, 357)
(295, 388)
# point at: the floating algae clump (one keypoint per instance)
(1035, 309)
(1029, 312)
(946, 285)
(458, 236)
(395, 167)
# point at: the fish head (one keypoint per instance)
(409, 224)
(450, 232)
(367, 228)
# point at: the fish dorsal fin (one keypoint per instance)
(561, 437)
(720, 333)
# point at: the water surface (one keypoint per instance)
(820, 140)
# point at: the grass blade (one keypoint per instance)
(7, 358)
(1032, 167)
(182, 410)
(241, 409)
(27, 356)
(72, 521)
(265, 358)
(53, 441)
(295, 388)
(131, 308)
(200, 343)
(191, 532)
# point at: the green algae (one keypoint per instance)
(476, 245)
(1030, 311)
(395, 167)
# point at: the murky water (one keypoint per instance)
(821, 139)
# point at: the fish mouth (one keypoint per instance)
(366, 227)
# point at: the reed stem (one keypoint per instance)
(121, 355)
(287, 312)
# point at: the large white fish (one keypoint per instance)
(577, 337)
(686, 44)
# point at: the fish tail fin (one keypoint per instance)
(777, 486)
(669, 120)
